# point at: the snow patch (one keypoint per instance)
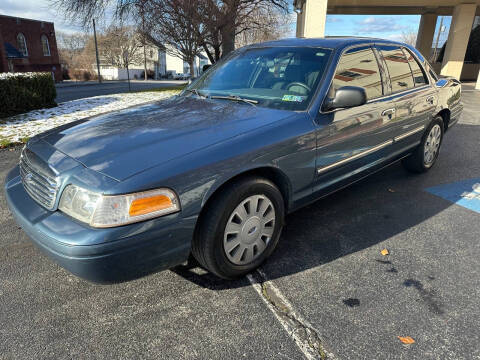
(35, 122)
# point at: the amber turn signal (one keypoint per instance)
(149, 204)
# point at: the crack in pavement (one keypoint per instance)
(303, 333)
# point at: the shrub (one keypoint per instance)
(65, 74)
(22, 92)
(150, 74)
(76, 74)
(87, 76)
(81, 75)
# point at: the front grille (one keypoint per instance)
(38, 179)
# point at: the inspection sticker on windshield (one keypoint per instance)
(293, 98)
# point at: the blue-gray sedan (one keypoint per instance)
(210, 174)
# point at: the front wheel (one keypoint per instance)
(426, 154)
(240, 228)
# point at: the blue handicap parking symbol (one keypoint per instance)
(465, 193)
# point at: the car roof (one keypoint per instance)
(332, 42)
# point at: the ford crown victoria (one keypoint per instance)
(211, 174)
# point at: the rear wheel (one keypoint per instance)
(426, 154)
(240, 228)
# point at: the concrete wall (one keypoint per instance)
(174, 64)
(110, 73)
(469, 71)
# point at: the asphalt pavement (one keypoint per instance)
(67, 91)
(327, 291)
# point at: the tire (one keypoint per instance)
(217, 247)
(421, 160)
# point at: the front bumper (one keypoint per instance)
(101, 255)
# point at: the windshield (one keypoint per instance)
(275, 77)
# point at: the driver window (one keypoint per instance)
(359, 67)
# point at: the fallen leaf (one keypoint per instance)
(406, 339)
(384, 252)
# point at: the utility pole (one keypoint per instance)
(440, 30)
(142, 14)
(125, 57)
(96, 51)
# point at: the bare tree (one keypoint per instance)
(120, 46)
(409, 37)
(172, 24)
(216, 22)
(71, 48)
(265, 23)
(225, 20)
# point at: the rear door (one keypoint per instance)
(350, 141)
(414, 98)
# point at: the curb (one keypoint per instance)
(82, 83)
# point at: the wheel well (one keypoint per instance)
(445, 114)
(269, 173)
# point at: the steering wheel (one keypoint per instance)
(297, 83)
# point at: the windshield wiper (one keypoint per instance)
(196, 92)
(235, 98)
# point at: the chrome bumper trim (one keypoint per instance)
(408, 133)
(354, 157)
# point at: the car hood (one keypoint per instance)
(123, 143)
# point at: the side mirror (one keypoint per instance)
(441, 83)
(346, 97)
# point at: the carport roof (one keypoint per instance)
(374, 7)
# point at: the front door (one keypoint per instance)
(350, 141)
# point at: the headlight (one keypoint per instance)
(114, 210)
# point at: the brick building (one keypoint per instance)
(28, 45)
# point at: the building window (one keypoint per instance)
(45, 46)
(22, 44)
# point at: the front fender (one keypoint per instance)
(268, 170)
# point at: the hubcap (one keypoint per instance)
(432, 144)
(249, 229)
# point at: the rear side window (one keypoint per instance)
(419, 77)
(359, 67)
(398, 68)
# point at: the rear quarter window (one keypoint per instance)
(419, 77)
(398, 68)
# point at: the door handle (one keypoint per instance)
(430, 99)
(388, 112)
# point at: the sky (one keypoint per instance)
(37, 10)
(382, 26)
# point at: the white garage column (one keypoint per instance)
(426, 31)
(478, 82)
(311, 19)
(462, 21)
